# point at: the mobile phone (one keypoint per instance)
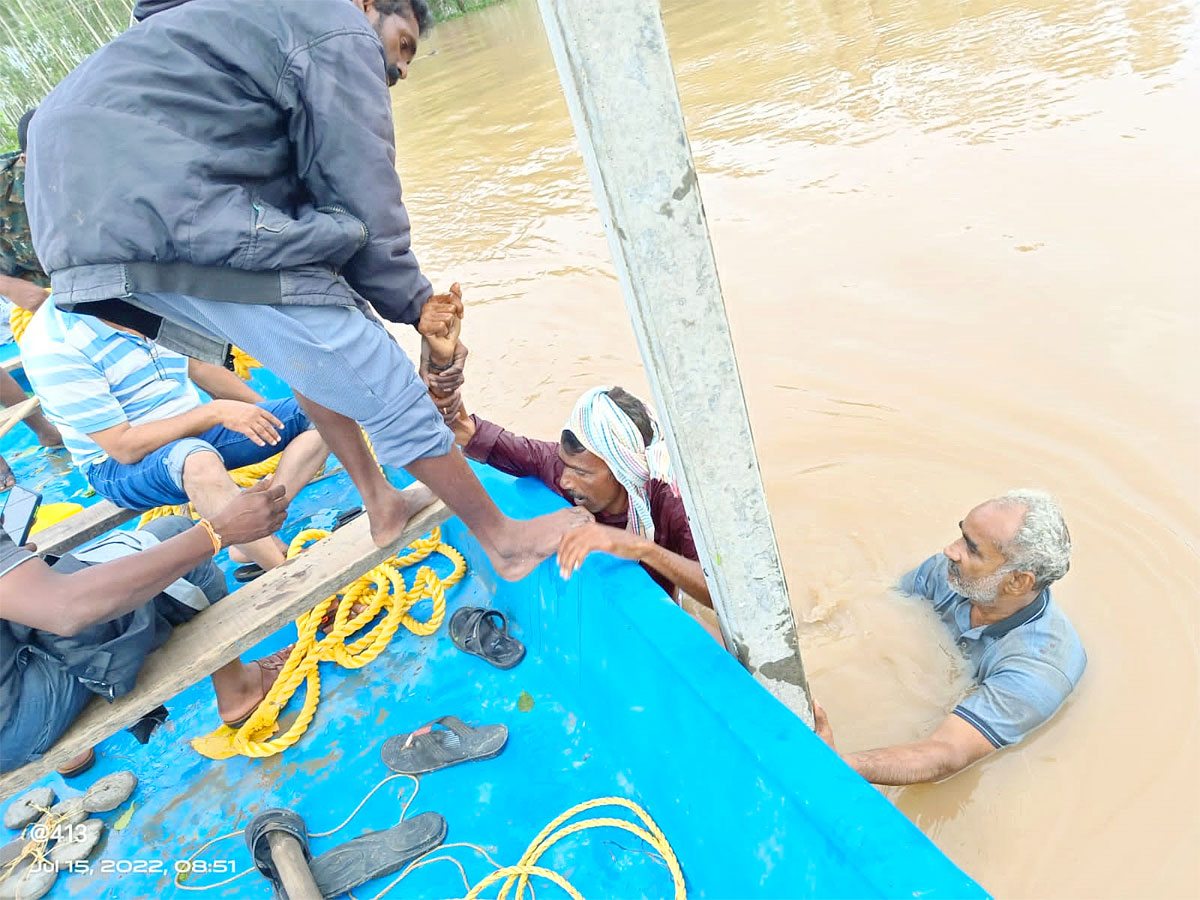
(20, 510)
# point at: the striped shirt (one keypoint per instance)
(91, 376)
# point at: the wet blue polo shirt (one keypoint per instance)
(1024, 666)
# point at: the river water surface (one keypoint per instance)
(958, 243)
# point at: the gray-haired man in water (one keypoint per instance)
(991, 587)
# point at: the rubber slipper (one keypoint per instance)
(473, 631)
(258, 829)
(78, 765)
(247, 573)
(426, 750)
(269, 668)
(348, 516)
(376, 853)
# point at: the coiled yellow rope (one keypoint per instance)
(548, 836)
(381, 588)
(18, 320)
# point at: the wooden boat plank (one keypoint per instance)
(10, 416)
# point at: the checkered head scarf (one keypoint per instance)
(605, 430)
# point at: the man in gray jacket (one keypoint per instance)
(224, 173)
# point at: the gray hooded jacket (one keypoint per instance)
(240, 151)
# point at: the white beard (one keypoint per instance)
(982, 591)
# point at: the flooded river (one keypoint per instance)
(958, 246)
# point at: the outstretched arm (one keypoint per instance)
(953, 746)
(25, 294)
(37, 596)
(682, 572)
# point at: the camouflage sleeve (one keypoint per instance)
(17, 258)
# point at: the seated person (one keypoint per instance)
(991, 588)
(82, 626)
(610, 460)
(139, 431)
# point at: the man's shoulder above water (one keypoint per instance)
(1041, 631)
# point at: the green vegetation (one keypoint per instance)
(452, 9)
(42, 40)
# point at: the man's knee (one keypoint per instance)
(204, 469)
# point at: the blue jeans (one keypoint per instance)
(49, 698)
(157, 479)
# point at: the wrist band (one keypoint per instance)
(212, 534)
(434, 367)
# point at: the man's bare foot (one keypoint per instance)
(390, 511)
(524, 543)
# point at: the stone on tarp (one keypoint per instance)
(65, 812)
(76, 843)
(23, 811)
(109, 792)
(28, 882)
(12, 850)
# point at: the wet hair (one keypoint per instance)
(418, 9)
(23, 129)
(628, 404)
(1042, 544)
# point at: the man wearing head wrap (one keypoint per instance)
(612, 461)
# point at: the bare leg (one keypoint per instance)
(388, 508)
(11, 394)
(299, 462)
(514, 546)
(209, 487)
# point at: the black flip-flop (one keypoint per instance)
(250, 571)
(247, 573)
(376, 853)
(427, 750)
(473, 631)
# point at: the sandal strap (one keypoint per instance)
(476, 624)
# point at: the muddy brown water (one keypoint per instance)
(958, 245)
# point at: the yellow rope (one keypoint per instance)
(18, 320)
(42, 833)
(382, 588)
(243, 362)
(548, 836)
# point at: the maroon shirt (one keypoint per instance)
(520, 456)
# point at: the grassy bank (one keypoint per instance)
(42, 40)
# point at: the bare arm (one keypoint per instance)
(128, 444)
(36, 596)
(953, 746)
(684, 573)
(221, 384)
(25, 294)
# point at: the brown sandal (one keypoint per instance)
(78, 765)
(269, 668)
